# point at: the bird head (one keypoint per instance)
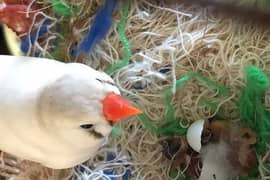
(83, 100)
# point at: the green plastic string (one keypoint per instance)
(253, 113)
(147, 124)
(116, 132)
(253, 175)
(121, 26)
(173, 175)
(171, 125)
(61, 8)
(179, 83)
(267, 2)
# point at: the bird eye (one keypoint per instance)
(104, 81)
(86, 126)
(89, 129)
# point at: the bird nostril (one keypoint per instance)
(86, 126)
(111, 123)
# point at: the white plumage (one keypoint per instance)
(216, 165)
(43, 104)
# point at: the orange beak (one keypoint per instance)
(116, 108)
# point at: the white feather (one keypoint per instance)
(42, 105)
(215, 162)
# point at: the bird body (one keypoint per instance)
(43, 105)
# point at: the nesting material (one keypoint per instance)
(167, 40)
(251, 5)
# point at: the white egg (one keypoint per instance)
(194, 135)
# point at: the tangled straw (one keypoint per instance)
(170, 124)
(121, 32)
(62, 8)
